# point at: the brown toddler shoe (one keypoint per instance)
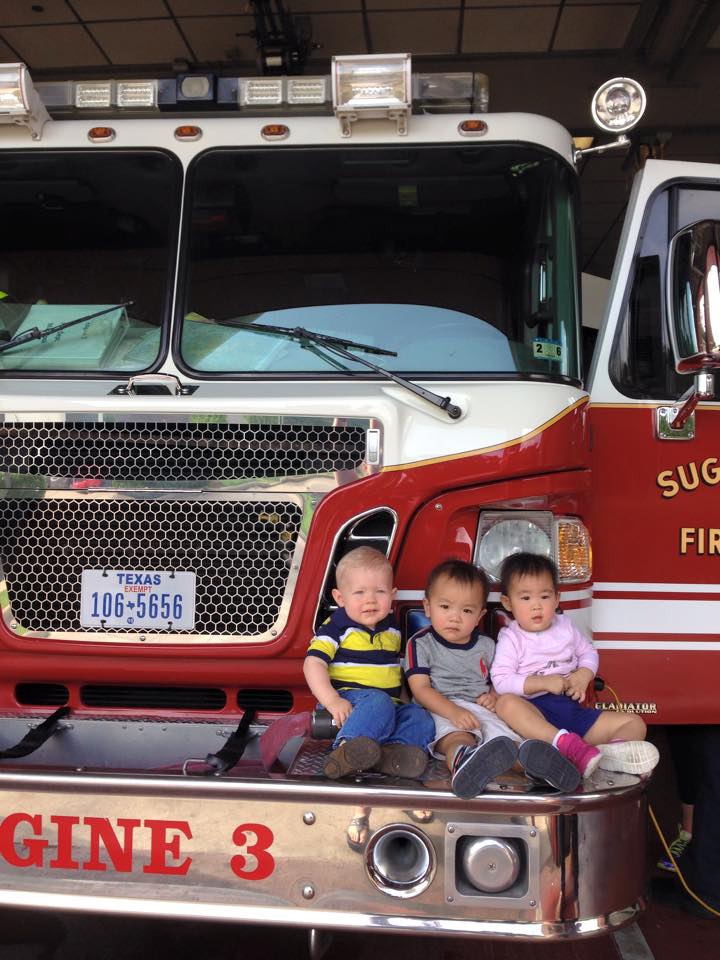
(352, 756)
(401, 760)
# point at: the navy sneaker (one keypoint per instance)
(474, 767)
(542, 761)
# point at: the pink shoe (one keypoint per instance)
(579, 753)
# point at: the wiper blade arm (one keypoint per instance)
(339, 346)
(36, 334)
(300, 334)
(445, 403)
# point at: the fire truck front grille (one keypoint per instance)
(242, 551)
(177, 451)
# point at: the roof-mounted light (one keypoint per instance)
(93, 94)
(125, 94)
(136, 94)
(260, 91)
(618, 105)
(377, 85)
(307, 90)
(19, 101)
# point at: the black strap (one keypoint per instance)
(234, 747)
(36, 737)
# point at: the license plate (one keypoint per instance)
(137, 599)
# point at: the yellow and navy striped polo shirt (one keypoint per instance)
(357, 656)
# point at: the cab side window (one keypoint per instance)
(642, 364)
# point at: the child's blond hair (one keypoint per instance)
(362, 557)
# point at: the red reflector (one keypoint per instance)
(275, 131)
(101, 134)
(188, 132)
(472, 128)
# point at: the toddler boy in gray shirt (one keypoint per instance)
(447, 666)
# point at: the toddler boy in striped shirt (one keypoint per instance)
(353, 669)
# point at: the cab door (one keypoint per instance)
(656, 490)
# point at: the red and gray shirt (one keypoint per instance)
(459, 671)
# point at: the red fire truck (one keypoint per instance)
(247, 324)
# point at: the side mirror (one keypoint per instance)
(694, 297)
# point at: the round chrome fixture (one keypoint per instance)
(400, 860)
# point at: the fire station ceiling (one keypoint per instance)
(542, 56)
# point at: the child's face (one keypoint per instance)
(367, 594)
(532, 600)
(455, 609)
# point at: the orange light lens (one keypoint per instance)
(574, 551)
(275, 131)
(188, 132)
(101, 134)
(472, 127)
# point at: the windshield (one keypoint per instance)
(85, 234)
(459, 259)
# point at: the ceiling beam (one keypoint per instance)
(705, 26)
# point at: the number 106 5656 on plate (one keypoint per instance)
(137, 599)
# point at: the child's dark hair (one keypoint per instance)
(526, 565)
(461, 571)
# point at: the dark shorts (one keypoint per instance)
(565, 713)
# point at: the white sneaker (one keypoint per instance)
(629, 756)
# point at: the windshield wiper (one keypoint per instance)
(337, 346)
(300, 334)
(36, 334)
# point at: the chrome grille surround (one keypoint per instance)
(228, 496)
(245, 552)
(210, 451)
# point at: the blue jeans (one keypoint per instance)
(376, 715)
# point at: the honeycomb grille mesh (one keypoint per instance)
(241, 552)
(148, 450)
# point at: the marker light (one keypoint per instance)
(101, 134)
(377, 85)
(188, 131)
(19, 101)
(275, 131)
(472, 128)
(618, 105)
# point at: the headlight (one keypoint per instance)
(618, 105)
(564, 539)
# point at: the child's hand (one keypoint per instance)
(340, 709)
(487, 700)
(576, 683)
(555, 683)
(462, 719)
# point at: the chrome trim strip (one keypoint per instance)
(326, 919)
(341, 532)
(75, 782)
(318, 482)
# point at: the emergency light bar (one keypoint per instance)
(19, 101)
(360, 87)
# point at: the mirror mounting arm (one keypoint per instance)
(703, 388)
